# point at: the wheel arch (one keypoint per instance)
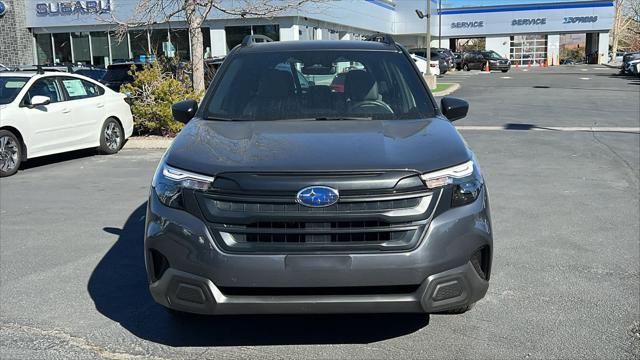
(17, 133)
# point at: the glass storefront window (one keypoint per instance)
(272, 31)
(81, 49)
(62, 48)
(139, 44)
(44, 52)
(206, 41)
(159, 42)
(100, 48)
(235, 34)
(180, 42)
(119, 47)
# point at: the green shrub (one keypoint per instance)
(153, 91)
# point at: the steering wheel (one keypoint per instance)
(371, 107)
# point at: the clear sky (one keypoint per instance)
(461, 3)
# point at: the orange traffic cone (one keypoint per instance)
(546, 63)
(540, 63)
(486, 67)
(517, 65)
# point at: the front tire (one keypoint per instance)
(466, 67)
(504, 71)
(111, 137)
(10, 153)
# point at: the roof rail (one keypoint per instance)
(380, 37)
(39, 69)
(252, 39)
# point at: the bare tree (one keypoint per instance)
(195, 12)
(626, 24)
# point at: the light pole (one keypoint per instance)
(421, 15)
(440, 24)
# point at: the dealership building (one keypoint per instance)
(84, 31)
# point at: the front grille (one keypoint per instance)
(264, 223)
(273, 207)
(303, 232)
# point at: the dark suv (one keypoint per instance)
(280, 196)
(477, 60)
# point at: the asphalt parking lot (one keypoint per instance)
(565, 280)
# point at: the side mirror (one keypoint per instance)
(454, 108)
(39, 100)
(184, 111)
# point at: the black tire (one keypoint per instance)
(111, 137)
(10, 153)
(466, 67)
(504, 71)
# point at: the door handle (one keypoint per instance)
(66, 111)
(100, 105)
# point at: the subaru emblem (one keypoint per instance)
(317, 196)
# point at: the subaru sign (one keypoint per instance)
(3, 9)
(317, 196)
(78, 7)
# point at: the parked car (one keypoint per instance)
(94, 73)
(626, 59)
(53, 112)
(422, 65)
(477, 60)
(449, 57)
(275, 199)
(442, 62)
(457, 61)
(632, 67)
(118, 74)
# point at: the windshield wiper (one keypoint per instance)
(331, 118)
(216, 118)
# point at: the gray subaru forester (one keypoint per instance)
(318, 177)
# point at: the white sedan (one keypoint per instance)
(54, 112)
(422, 65)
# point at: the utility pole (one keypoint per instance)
(428, 52)
(431, 79)
(440, 23)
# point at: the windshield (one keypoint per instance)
(120, 73)
(491, 55)
(319, 85)
(10, 86)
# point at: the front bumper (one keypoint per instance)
(198, 271)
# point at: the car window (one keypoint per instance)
(92, 89)
(48, 87)
(80, 89)
(10, 87)
(376, 84)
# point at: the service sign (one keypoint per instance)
(76, 7)
(541, 18)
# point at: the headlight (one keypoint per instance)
(465, 178)
(169, 184)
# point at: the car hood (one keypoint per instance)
(214, 147)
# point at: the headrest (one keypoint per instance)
(359, 85)
(275, 83)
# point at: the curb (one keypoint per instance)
(451, 89)
(142, 142)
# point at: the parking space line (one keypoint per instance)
(516, 127)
